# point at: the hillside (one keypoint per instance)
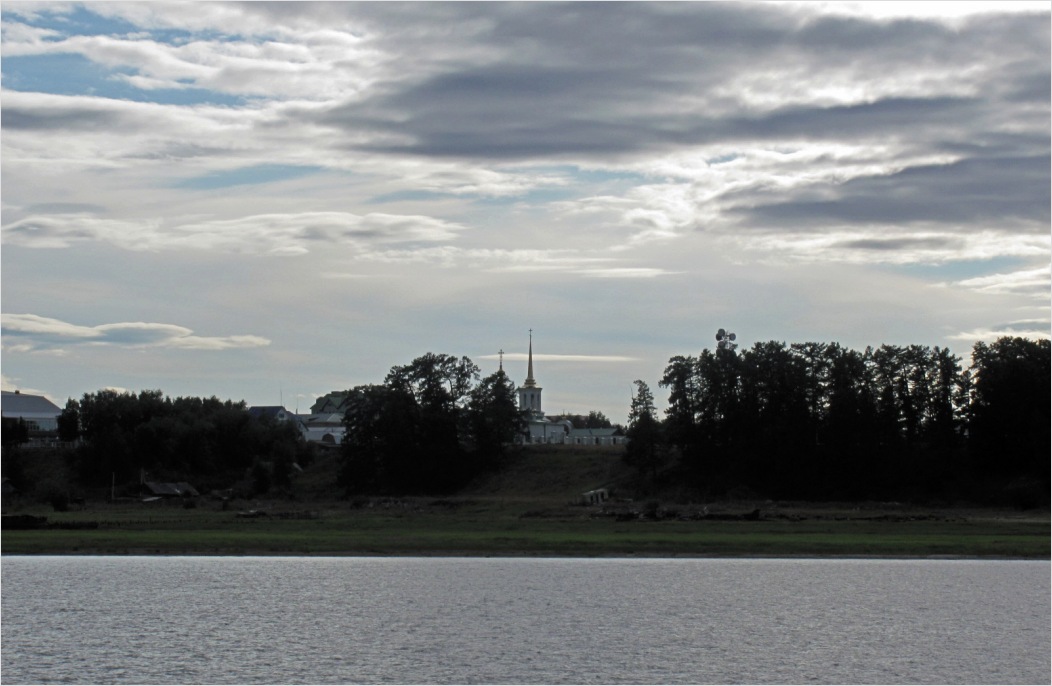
(556, 474)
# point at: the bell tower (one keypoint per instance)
(529, 391)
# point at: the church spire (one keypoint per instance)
(530, 392)
(530, 381)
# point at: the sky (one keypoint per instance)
(268, 202)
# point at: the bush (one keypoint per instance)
(53, 492)
(1025, 494)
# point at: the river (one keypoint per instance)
(289, 620)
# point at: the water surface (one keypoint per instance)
(498, 620)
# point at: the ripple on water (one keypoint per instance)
(492, 620)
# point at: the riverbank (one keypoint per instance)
(508, 527)
(529, 507)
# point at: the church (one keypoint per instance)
(541, 429)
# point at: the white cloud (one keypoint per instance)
(624, 273)
(1036, 283)
(587, 263)
(275, 234)
(1029, 329)
(318, 64)
(189, 342)
(555, 357)
(887, 9)
(35, 325)
(33, 332)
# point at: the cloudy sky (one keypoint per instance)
(269, 201)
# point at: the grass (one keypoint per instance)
(493, 528)
(526, 510)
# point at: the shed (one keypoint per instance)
(612, 436)
(595, 497)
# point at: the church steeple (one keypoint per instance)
(529, 391)
(530, 381)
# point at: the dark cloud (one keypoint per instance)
(1031, 87)
(852, 122)
(601, 79)
(897, 244)
(1026, 325)
(1007, 190)
(65, 208)
(523, 113)
(66, 118)
(502, 112)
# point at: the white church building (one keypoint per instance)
(541, 429)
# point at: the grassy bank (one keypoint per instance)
(492, 527)
(528, 509)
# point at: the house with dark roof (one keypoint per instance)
(324, 428)
(39, 413)
(330, 403)
(275, 413)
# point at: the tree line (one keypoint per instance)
(431, 426)
(124, 438)
(819, 421)
(808, 421)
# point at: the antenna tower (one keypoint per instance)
(725, 340)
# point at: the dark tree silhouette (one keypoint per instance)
(1009, 414)
(494, 417)
(645, 450)
(205, 440)
(818, 421)
(428, 429)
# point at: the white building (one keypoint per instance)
(541, 429)
(325, 428)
